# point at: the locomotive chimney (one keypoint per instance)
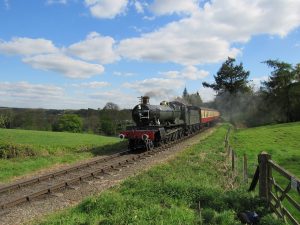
(145, 100)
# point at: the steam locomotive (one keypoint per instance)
(169, 121)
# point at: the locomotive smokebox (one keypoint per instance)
(145, 100)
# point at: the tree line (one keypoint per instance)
(276, 101)
(108, 121)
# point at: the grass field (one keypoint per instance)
(194, 188)
(24, 151)
(282, 141)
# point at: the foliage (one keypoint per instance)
(170, 194)
(277, 88)
(277, 101)
(23, 151)
(111, 106)
(230, 78)
(47, 119)
(230, 82)
(190, 99)
(69, 122)
(108, 127)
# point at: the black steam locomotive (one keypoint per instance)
(157, 124)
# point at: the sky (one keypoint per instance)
(72, 54)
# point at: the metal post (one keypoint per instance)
(264, 174)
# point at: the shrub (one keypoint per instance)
(69, 122)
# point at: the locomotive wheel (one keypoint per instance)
(149, 145)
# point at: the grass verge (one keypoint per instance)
(281, 141)
(194, 188)
(24, 151)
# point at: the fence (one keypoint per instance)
(231, 154)
(272, 192)
(269, 189)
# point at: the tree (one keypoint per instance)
(194, 99)
(190, 99)
(277, 87)
(69, 122)
(111, 106)
(230, 78)
(108, 127)
(230, 82)
(297, 72)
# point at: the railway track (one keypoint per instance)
(25, 191)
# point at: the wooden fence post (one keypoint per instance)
(232, 160)
(264, 174)
(245, 169)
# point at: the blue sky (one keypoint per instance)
(78, 54)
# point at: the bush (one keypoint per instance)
(69, 122)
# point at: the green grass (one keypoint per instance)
(172, 193)
(282, 141)
(24, 151)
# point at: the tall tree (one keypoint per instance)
(278, 86)
(297, 72)
(230, 80)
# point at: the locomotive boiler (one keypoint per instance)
(169, 121)
(166, 113)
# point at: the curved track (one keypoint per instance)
(28, 190)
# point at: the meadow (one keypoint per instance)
(24, 151)
(281, 141)
(194, 188)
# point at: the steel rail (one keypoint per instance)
(20, 184)
(91, 174)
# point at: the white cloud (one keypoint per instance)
(50, 2)
(139, 7)
(93, 84)
(24, 94)
(123, 74)
(256, 82)
(119, 97)
(106, 9)
(177, 43)
(27, 46)
(189, 72)
(95, 48)
(207, 35)
(26, 89)
(160, 7)
(157, 88)
(207, 94)
(28, 95)
(62, 64)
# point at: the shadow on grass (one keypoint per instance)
(109, 149)
(13, 151)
